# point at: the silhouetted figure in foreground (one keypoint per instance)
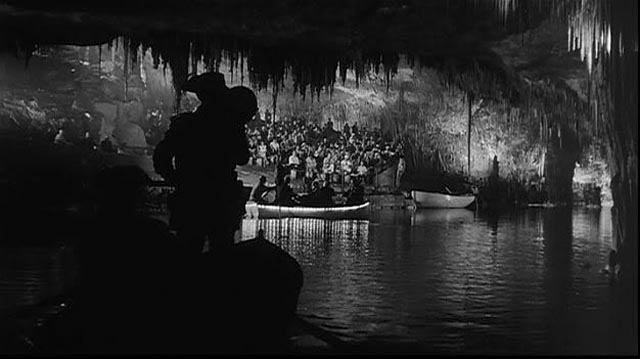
(130, 276)
(199, 154)
(139, 293)
(253, 300)
(241, 298)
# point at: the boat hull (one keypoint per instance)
(440, 200)
(338, 212)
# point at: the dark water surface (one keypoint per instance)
(456, 282)
(450, 281)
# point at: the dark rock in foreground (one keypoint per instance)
(243, 301)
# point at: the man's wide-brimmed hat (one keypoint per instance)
(208, 82)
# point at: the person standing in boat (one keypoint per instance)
(326, 194)
(286, 196)
(186, 157)
(356, 194)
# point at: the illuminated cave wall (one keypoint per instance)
(431, 117)
(417, 105)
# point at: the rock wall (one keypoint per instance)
(561, 155)
(616, 93)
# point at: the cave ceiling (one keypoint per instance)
(312, 40)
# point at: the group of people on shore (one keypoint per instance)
(318, 154)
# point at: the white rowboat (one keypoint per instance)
(333, 212)
(440, 200)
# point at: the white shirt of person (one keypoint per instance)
(362, 170)
(275, 146)
(311, 163)
(262, 150)
(346, 165)
(293, 159)
(327, 165)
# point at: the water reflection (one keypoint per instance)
(305, 236)
(452, 282)
(557, 279)
(456, 282)
(430, 216)
(29, 275)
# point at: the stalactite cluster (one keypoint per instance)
(339, 36)
(606, 33)
(518, 15)
(481, 80)
(312, 72)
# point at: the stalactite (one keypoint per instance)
(589, 29)
(589, 23)
(241, 69)
(113, 55)
(275, 99)
(194, 56)
(125, 71)
(469, 100)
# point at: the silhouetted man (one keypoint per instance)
(356, 194)
(199, 154)
(325, 194)
(286, 196)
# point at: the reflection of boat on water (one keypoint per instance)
(440, 200)
(309, 233)
(333, 212)
(441, 215)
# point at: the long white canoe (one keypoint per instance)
(333, 212)
(440, 200)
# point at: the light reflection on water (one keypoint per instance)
(450, 281)
(455, 281)
(28, 275)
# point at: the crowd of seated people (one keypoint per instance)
(317, 154)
